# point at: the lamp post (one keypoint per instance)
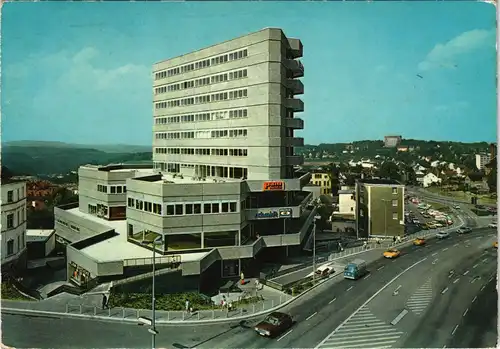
(314, 246)
(385, 201)
(152, 329)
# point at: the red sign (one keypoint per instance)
(273, 186)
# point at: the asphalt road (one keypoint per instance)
(479, 326)
(317, 317)
(316, 314)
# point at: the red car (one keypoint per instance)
(274, 324)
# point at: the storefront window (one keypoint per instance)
(183, 241)
(219, 239)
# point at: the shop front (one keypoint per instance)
(79, 275)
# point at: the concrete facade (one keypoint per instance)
(223, 186)
(102, 190)
(228, 110)
(13, 194)
(482, 160)
(380, 208)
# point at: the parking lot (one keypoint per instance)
(418, 219)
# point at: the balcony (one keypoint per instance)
(295, 104)
(294, 123)
(296, 48)
(294, 141)
(295, 86)
(296, 68)
(295, 160)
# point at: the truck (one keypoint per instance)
(355, 269)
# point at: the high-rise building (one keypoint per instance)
(392, 141)
(227, 111)
(482, 160)
(223, 188)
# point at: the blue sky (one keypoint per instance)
(81, 72)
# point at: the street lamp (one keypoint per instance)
(385, 201)
(152, 329)
(314, 246)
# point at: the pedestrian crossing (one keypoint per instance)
(419, 301)
(363, 330)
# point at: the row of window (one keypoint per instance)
(231, 133)
(181, 209)
(209, 80)
(208, 98)
(217, 115)
(10, 245)
(21, 217)
(20, 195)
(228, 57)
(71, 226)
(112, 189)
(99, 210)
(202, 151)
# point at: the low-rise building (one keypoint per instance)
(322, 179)
(40, 243)
(430, 179)
(13, 224)
(380, 208)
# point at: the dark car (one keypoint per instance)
(274, 324)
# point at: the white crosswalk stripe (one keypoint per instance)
(419, 301)
(363, 330)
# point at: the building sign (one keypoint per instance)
(273, 186)
(267, 215)
(285, 213)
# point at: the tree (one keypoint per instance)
(411, 177)
(492, 180)
(334, 173)
(389, 170)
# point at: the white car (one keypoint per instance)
(492, 225)
(443, 235)
(457, 207)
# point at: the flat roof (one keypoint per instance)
(379, 181)
(187, 179)
(34, 235)
(118, 248)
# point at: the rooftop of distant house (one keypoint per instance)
(373, 181)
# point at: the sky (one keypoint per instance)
(81, 72)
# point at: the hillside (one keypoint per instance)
(44, 158)
(107, 148)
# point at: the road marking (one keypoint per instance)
(380, 268)
(444, 249)
(310, 316)
(465, 312)
(474, 266)
(387, 338)
(473, 280)
(367, 276)
(466, 272)
(454, 330)
(474, 299)
(283, 336)
(333, 300)
(456, 280)
(350, 288)
(444, 291)
(485, 260)
(482, 288)
(435, 261)
(434, 254)
(455, 245)
(399, 317)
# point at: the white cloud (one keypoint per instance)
(445, 55)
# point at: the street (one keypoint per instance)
(316, 314)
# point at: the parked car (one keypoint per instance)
(457, 207)
(443, 235)
(274, 324)
(464, 230)
(495, 244)
(492, 225)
